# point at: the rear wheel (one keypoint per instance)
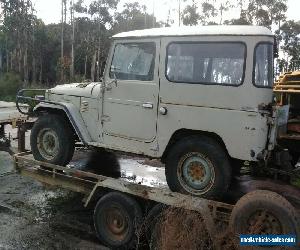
(199, 166)
(52, 140)
(117, 220)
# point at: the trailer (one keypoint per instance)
(127, 211)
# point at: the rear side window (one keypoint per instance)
(263, 65)
(206, 63)
(133, 61)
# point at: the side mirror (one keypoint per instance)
(108, 86)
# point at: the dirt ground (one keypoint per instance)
(35, 217)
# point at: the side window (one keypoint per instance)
(206, 63)
(133, 61)
(263, 65)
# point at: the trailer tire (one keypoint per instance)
(52, 140)
(264, 212)
(117, 220)
(198, 165)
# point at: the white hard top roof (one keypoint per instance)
(246, 30)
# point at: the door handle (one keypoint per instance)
(148, 105)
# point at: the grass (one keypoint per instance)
(296, 183)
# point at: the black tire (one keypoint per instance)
(213, 178)
(264, 212)
(61, 136)
(117, 220)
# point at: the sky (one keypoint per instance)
(50, 10)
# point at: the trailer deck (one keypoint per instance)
(89, 184)
(93, 185)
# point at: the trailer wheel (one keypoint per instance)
(264, 212)
(52, 140)
(198, 165)
(117, 218)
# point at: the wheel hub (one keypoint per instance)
(48, 143)
(264, 222)
(196, 173)
(116, 223)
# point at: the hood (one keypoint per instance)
(91, 89)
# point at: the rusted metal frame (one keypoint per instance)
(61, 181)
(21, 138)
(23, 127)
(71, 182)
(21, 159)
(53, 173)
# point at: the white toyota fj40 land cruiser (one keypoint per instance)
(192, 96)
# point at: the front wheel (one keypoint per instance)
(199, 166)
(52, 140)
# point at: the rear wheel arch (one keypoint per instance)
(183, 133)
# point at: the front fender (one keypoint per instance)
(73, 115)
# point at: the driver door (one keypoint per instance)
(130, 103)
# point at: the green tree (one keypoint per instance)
(133, 17)
(261, 12)
(290, 37)
(190, 15)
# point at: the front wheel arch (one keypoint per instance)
(60, 112)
